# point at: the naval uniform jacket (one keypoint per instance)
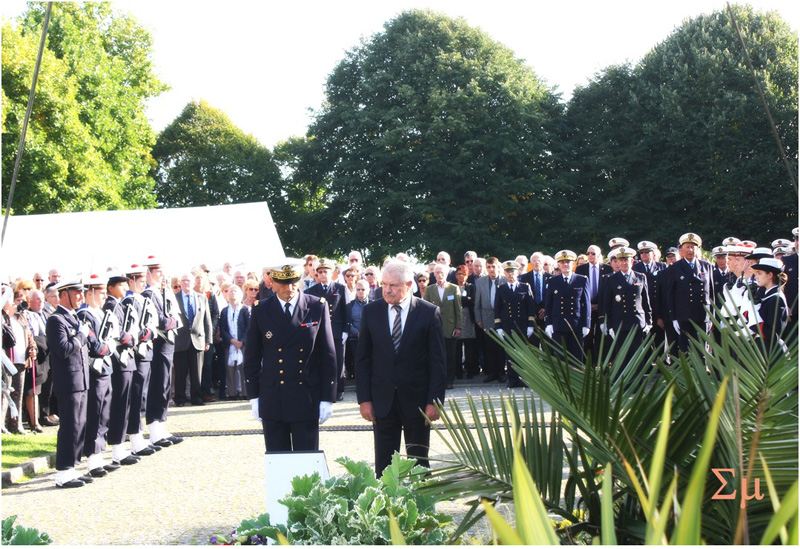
(774, 314)
(655, 268)
(69, 352)
(290, 365)
(335, 297)
(514, 310)
(627, 304)
(566, 304)
(98, 350)
(689, 292)
(163, 322)
(123, 341)
(790, 290)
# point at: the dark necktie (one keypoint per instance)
(287, 311)
(691, 266)
(537, 287)
(324, 287)
(397, 328)
(593, 289)
(627, 277)
(190, 309)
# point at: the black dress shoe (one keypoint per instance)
(98, 472)
(198, 403)
(489, 379)
(155, 448)
(164, 442)
(501, 379)
(128, 460)
(111, 467)
(175, 440)
(146, 451)
(340, 397)
(47, 422)
(74, 483)
(86, 479)
(514, 384)
(449, 386)
(180, 404)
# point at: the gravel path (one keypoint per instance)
(185, 493)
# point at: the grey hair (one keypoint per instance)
(470, 255)
(403, 270)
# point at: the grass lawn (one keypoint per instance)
(21, 448)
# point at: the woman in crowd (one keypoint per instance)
(467, 342)
(250, 289)
(233, 323)
(23, 356)
(773, 311)
(422, 283)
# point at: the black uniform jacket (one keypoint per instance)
(689, 293)
(627, 304)
(290, 365)
(69, 354)
(566, 304)
(514, 311)
(417, 371)
(336, 303)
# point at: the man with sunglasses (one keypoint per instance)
(594, 270)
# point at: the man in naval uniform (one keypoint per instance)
(690, 291)
(290, 363)
(68, 340)
(790, 289)
(514, 312)
(568, 306)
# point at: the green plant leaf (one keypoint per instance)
(608, 531)
(785, 515)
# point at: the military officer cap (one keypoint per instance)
(796, 231)
(769, 264)
(136, 270)
(749, 243)
(326, 264)
(288, 272)
(739, 250)
(74, 284)
(625, 252)
(690, 238)
(618, 242)
(781, 243)
(719, 250)
(731, 241)
(671, 251)
(510, 265)
(760, 253)
(613, 254)
(566, 255)
(116, 278)
(780, 251)
(95, 280)
(646, 246)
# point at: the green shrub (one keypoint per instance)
(353, 509)
(20, 535)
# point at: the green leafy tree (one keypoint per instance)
(681, 142)
(433, 136)
(202, 159)
(93, 151)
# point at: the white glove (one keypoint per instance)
(603, 328)
(84, 329)
(345, 335)
(677, 326)
(647, 329)
(585, 332)
(325, 411)
(529, 331)
(549, 330)
(611, 333)
(254, 408)
(500, 333)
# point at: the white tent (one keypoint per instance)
(91, 242)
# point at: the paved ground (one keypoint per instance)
(186, 493)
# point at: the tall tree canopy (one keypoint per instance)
(202, 158)
(681, 142)
(433, 136)
(88, 144)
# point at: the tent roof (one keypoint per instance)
(91, 242)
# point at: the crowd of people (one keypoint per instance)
(104, 357)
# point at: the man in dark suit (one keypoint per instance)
(334, 294)
(290, 363)
(650, 268)
(690, 291)
(514, 312)
(567, 306)
(192, 340)
(593, 270)
(400, 367)
(68, 341)
(627, 303)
